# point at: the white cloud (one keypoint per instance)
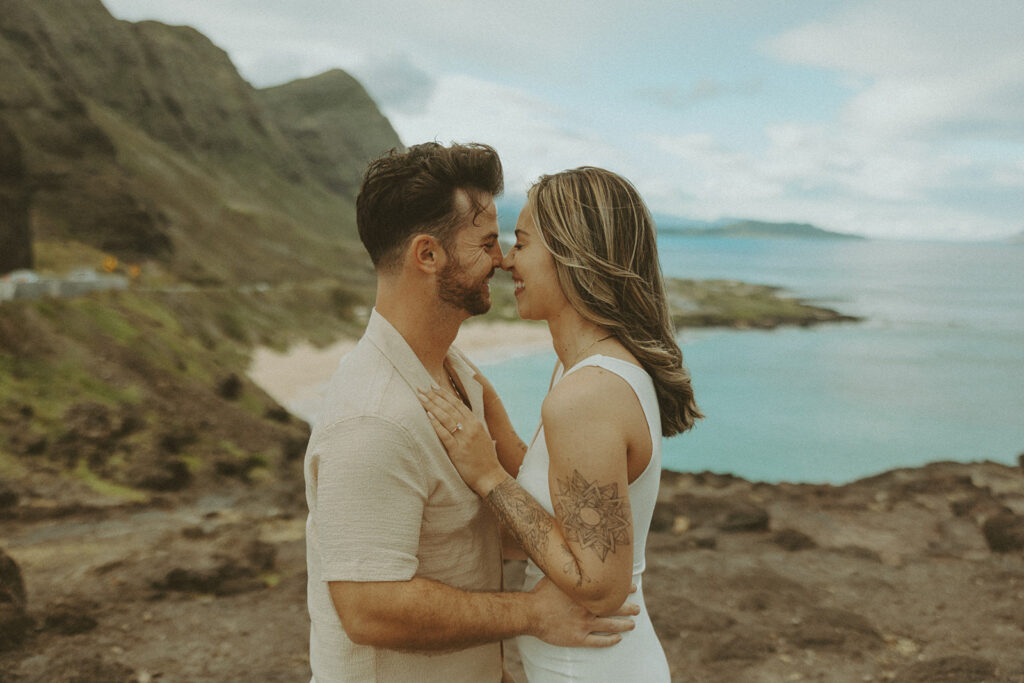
(676, 97)
(396, 83)
(932, 115)
(941, 68)
(530, 134)
(846, 184)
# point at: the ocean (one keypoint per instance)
(934, 372)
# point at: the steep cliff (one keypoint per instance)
(15, 231)
(142, 140)
(332, 122)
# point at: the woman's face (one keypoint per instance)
(538, 294)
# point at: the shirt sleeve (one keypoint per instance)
(370, 495)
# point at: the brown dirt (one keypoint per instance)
(887, 579)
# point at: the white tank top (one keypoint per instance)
(643, 492)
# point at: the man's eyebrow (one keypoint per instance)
(490, 236)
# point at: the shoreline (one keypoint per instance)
(297, 377)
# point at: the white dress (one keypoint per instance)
(638, 657)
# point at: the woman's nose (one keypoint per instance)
(506, 262)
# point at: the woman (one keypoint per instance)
(585, 260)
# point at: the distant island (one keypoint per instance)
(750, 228)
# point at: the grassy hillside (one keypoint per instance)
(122, 396)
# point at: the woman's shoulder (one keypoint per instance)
(591, 390)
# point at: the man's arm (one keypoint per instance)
(424, 615)
(368, 516)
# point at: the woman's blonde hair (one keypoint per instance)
(602, 238)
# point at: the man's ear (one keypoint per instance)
(426, 253)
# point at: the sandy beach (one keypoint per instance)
(297, 377)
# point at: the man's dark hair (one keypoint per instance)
(406, 193)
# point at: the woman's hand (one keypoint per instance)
(467, 441)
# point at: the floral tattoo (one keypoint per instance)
(593, 516)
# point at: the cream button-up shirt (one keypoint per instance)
(386, 504)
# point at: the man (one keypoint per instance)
(404, 559)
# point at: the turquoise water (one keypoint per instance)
(935, 372)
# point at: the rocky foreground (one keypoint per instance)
(915, 575)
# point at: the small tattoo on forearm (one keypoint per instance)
(593, 516)
(571, 568)
(521, 515)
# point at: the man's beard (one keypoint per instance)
(471, 298)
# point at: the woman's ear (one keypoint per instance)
(426, 253)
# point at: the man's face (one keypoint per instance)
(463, 282)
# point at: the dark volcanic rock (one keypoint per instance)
(745, 517)
(294, 448)
(725, 514)
(979, 505)
(8, 497)
(948, 670)
(689, 616)
(90, 433)
(663, 518)
(15, 623)
(742, 647)
(1004, 532)
(233, 568)
(12, 587)
(69, 620)
(769, 582)
(157, 472)
(791, 539)
(858, 552)
(74, 667)
(825, 627)
(277, 414)
(230, 387)
(15, 195)
(89, 421)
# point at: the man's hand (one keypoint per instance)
(561, 621)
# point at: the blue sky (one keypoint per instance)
(892, 118)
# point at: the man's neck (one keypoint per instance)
(427, 330)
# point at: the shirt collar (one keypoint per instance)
(382, 334)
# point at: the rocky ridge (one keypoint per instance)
(899, 577)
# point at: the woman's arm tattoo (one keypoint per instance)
(521, 515)
(593, 516)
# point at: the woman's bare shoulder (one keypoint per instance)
(591, 391)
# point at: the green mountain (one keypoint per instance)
(332, 122)
(749, 228)
(142, 141)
